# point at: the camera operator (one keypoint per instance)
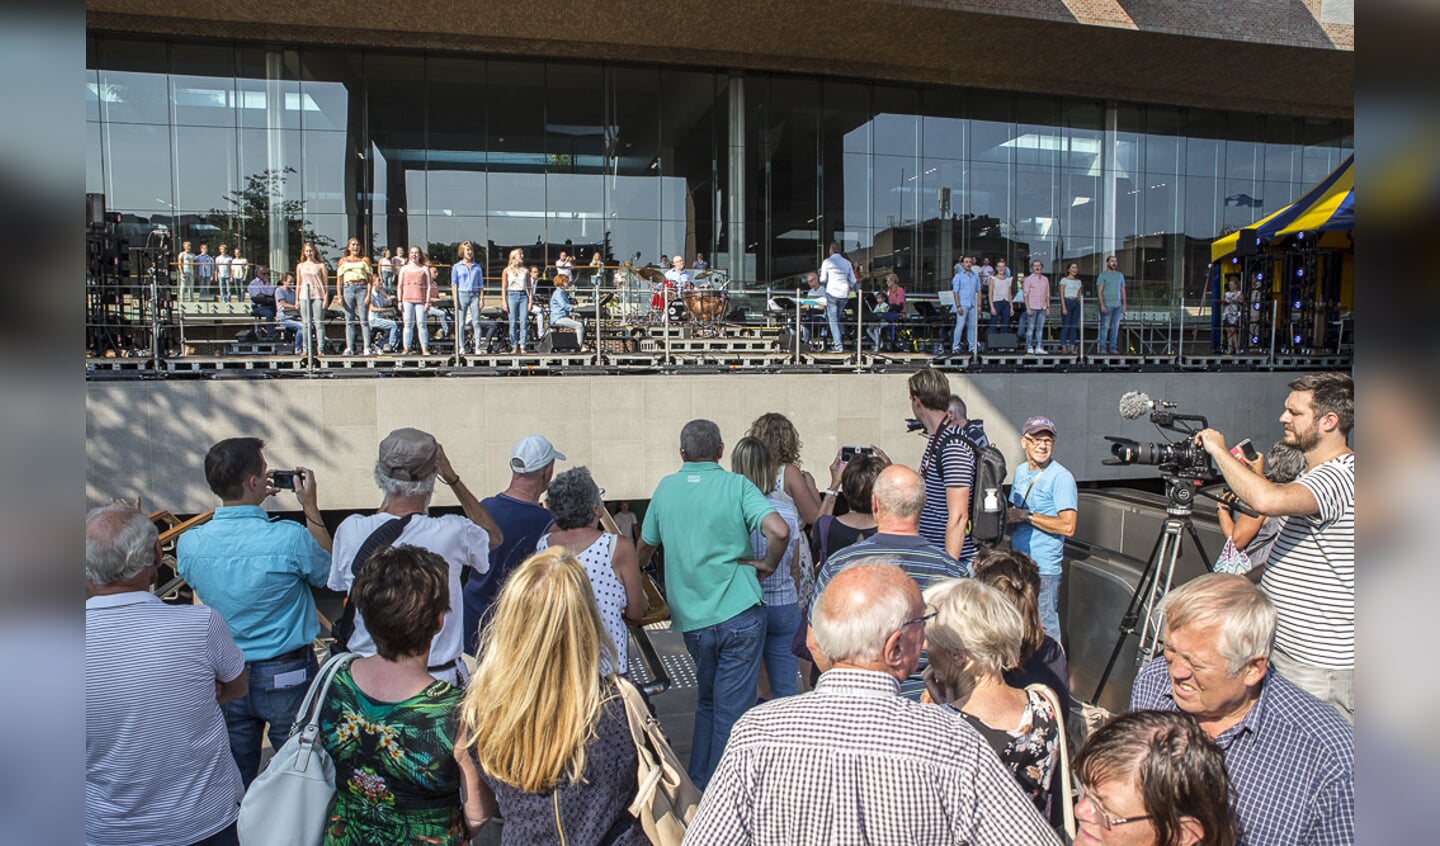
(1311, 571)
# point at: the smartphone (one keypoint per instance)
(283, 479)
(849, 452)
(1245, 450)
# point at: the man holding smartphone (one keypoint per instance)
(1310, 575)
(256, 571)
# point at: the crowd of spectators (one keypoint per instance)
(878, 658)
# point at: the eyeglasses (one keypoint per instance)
(1047, 442)
(921, 620)
(1106, 821)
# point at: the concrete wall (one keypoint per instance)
(150, 438)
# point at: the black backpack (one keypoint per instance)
(987, 519)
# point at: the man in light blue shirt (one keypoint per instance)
(1044, 502)
(255, 571)
(966, 285)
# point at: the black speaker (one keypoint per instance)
(559, 340)
(1002, 342)
(94, 210)
(1248, 244)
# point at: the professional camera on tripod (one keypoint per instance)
(1187, 471)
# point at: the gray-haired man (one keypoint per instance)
(890, 770)
(408, 464)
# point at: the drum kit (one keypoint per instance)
(702, 307)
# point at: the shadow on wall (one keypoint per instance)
(178, 423)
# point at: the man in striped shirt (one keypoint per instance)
(853, 761)
(158, 767)
(1291, 758)
(947, 466)
(1310, 575)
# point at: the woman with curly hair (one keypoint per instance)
(794, 485)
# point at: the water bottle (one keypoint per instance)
(992, 500)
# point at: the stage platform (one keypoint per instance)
(681, 348)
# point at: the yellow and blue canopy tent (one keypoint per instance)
(1324, 217)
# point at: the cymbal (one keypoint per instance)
(702, 274)
(652, 274)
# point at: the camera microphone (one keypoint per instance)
(1136, 404)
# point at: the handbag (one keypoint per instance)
(288, 803)
(384, 535)
(667, 799)
(1067, 797)
(1232, 559)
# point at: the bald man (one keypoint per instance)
(897, 499)
(892, 770)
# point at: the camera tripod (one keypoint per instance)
(1156, 578)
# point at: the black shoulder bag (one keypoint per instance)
(344, 627)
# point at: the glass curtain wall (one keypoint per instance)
(269, 147)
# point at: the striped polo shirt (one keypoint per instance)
(1311, 572)
(158, 769)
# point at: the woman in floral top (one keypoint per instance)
(973, 639)
(390, 727)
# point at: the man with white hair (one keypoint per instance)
(678, 276)
(886, 769)
(1290, 756)
(158, 767)
(409, 463)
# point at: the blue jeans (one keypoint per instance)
(226, 289)
(388, 325)
(781, 665)
(415, 318)
(833, 308)
(469, 303)
(1070, 323)
(1001, 321)
(519, 317)
(967, 324)
(727, 668)
(355, 297)
(1050, 605)
(265, 703)
(1036, 334)
(312, 320)
(1110, 329)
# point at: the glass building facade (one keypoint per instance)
(268, 146)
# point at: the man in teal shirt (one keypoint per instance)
(703, 516)
(255, 571)
(1110, 291)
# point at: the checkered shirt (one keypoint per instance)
(854, 762)
(1291, 762)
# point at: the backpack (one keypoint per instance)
(988, 504)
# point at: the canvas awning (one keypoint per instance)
(1328, 206)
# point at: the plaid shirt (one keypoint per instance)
(1291, 762)
(854, 762)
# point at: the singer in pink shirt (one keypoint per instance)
(1036, 290)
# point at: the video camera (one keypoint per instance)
(1184, 458)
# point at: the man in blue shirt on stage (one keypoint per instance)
(966, 285)
(1044, 502)
(256, 571)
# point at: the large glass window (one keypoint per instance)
(267, 146)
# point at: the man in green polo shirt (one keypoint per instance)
(703, 516)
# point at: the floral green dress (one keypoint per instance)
(396, 780)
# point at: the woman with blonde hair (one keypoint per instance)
(355, 274)
(517, 298)
(311, 295)
(973, 639)
(779, 591)
(548, 730)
